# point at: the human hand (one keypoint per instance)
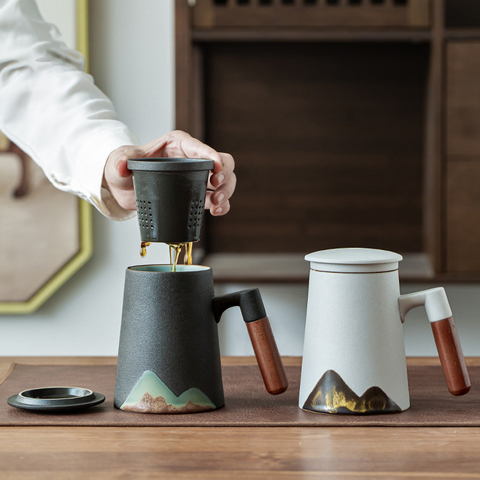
(177, 144)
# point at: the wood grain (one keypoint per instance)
(241, 453)
(433, 198)
(451, 108)
(462, 212)
(267, 355)
(329, 150)
(463, 98)
(115, 453)
(297, 13)
(451, 356)
(313, 35)
(183, 68)
(462, 14)
(463, 157)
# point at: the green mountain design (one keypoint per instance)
(151, 395)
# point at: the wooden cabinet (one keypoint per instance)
(352, 123)
(311, 13)
(463, 99)
(328, 151)
(463, 157)
(463, 216)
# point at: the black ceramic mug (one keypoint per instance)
(169, 357)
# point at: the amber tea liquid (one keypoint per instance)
(175, 250)
(143, 248)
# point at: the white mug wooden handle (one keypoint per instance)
(446, 338)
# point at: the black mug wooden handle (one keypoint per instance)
(261, 335)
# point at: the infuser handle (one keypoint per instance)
(445, 334)
(261, 335)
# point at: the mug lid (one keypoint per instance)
(354, 260)
(56, 399)
(169, 164)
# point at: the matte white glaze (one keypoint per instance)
(353, 260)
(354, 328)
(435, 301)
(354, 321)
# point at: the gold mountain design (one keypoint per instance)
(151, 395)
(332, 395)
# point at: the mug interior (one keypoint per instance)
(168, 268)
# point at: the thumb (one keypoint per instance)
(117, 175)
(122, 169)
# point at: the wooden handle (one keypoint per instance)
(451, 356)
(267, 355)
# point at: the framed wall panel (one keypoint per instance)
(46, 234)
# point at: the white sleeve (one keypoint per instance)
(52, 110)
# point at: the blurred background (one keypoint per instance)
(342, 137)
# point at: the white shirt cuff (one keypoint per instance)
(86, 180)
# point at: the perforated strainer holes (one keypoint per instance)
(144, 213)
(191, 216)
(196, 214)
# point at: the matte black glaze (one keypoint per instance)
(56, 399)
(168, 327)
(170, 195)
(249, 301)
(169, 164)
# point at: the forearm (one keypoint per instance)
(51, 108)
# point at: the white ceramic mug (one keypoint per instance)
(354, 355)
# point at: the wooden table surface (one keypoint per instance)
(358, 453)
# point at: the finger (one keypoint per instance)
(116, 171)
(209, 205)
(224, 175)
(118, 179)
(122, 169)
(224, 192)
(220, 210)
(181, 144)
(208, 202)
(152, 148)
(193, 148)
(125, 198)
(216, 210)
